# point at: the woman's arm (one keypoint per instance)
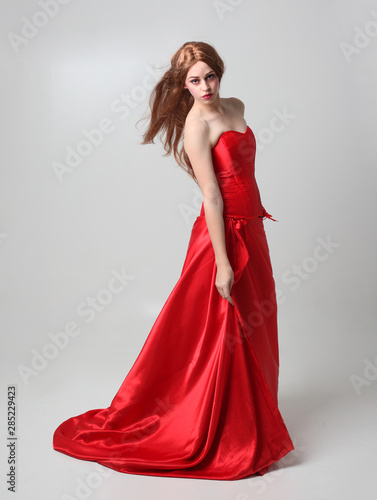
(197, 147)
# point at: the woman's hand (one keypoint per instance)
(224, 281)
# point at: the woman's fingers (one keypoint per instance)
(225, 293)
(228, 298)
(224, 282)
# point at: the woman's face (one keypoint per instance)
(202, 80)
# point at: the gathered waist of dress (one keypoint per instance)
(263, 215)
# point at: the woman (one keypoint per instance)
(201, 400)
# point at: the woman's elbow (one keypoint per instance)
(214, 202)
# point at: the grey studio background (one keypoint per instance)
(94, 227)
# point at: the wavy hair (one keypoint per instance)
(170, 102)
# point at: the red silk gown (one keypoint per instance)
(200, 401)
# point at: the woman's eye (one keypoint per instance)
(208, 76)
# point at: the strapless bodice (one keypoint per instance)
(233, 158)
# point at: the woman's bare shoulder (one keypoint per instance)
(196, 132)
(237, 104)
(196, 125)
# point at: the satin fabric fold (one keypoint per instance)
(201, 399)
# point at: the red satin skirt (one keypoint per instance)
(200, 400)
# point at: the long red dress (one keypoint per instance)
(201, 400)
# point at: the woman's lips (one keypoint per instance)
(207, 96)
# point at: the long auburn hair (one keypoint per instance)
(170, 102)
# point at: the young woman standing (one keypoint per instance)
(201, 399)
